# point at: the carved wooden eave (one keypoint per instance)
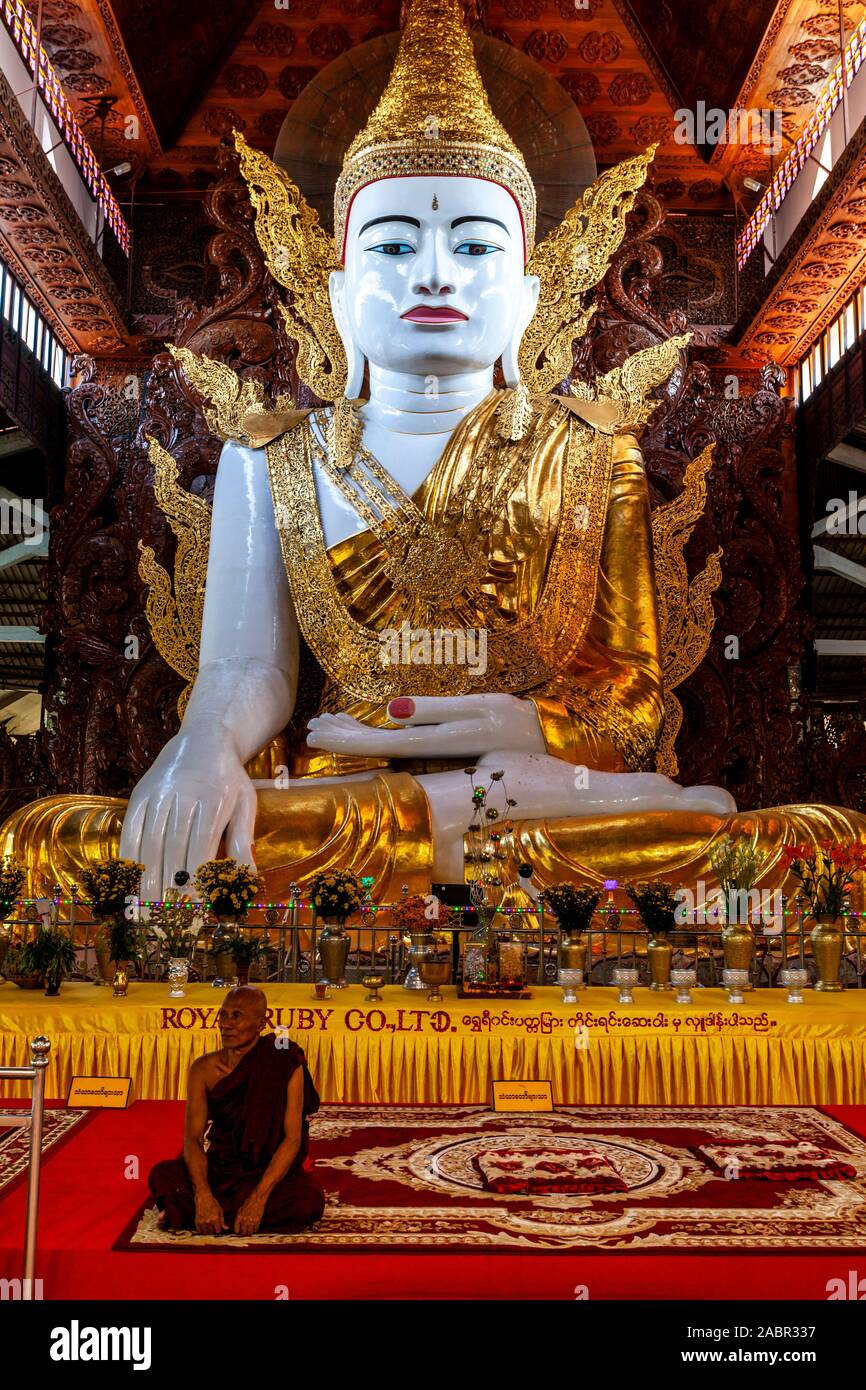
(115, 52)
(821, 266)
(45, 245)
(791, 67)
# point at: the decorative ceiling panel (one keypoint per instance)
(83, 42)
(790, 67)
(629, 65)
(603, 62)
(705, 50)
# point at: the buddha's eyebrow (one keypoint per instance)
(458, 222)
(413, 222)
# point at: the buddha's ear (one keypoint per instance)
(529, 291)
(354, 359)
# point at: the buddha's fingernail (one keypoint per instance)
(401, 708)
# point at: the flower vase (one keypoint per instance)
(178, 974)
(572, 951)
(333, 948)
(105, 965)
(738, 946)
(421, 946)
(659, 952)
(52, 983)
(242, 969)
(828, 943)
(102, 948)
(120, 982)
(224, 964)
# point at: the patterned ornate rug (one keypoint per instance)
(57, 1127)
(639, 1178)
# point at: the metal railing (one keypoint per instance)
(39, 1049)
(289, 939)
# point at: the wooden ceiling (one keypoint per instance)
(628, 64)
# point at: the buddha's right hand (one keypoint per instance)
(196, 791)
(209, 1217)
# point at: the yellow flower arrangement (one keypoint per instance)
(12, 877)
(336, 893)
(109, 884)
(228, 887)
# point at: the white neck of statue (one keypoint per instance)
(408, 404)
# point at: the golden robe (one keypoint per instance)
(567, 595)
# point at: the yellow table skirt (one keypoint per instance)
(406, 1050)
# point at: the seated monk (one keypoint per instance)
(245, 1136)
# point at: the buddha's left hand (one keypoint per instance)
(435, 727)
(249, 1215)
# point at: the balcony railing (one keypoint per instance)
(23, 34)
(792, 165)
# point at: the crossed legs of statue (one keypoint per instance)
(385, 825)
(549, 789)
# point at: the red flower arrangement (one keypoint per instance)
(825, 873)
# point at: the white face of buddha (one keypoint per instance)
(434, 276)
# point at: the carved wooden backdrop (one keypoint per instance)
(110, 712)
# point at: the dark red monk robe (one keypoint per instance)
(246, 1114)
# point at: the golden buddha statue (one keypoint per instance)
(469, 574)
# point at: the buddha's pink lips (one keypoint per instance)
(422, 313)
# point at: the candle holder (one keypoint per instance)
(683, 982)
(735, 981)
(571, 979)
(626, 979)
(372, 984)
(433, 974)
(795, 980)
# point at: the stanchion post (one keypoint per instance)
(39, 1051)
(295, 893)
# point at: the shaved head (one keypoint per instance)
(242, 1017)
(250, 997)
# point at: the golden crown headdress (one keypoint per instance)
(434, 117)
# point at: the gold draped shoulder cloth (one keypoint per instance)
(557, 479)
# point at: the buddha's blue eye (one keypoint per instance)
(474, 248)
(393, 248)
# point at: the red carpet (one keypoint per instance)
(93, 1186)
(58, 1127)
(450, 1178)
